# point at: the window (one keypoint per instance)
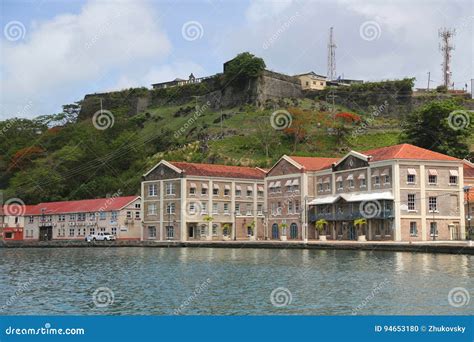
(61, 218)
(214, 229)
(170, 232)
(278, 211)
(170, 189)
(297, 206)
(192, 191)
(91, 231)
(432, 179)
(81, 216)
(215, 208)
(453, 180)
(249, 209)
(114, 216)
(151, 232)
(203, 207)
(137, 215)
(274, 209)
(226, 208)
(237, 209)
(226, 192)
(411, 202)
(386, 179)
(114, 230)
(260, 209)
(433, 229)
(328, 186)
(432, 204)
(137, 206)
(72, 217)
(152, 209)
(290, 207)
(102, 215)
(238, 192)
(320, 187)
(340, 185)
(31, 219)
(293, 231)
(260, 193)
(411, 179)
(249, 193)
(152, 190)
(215, 191)
(92, 217)
(192, 208)
(129, 214)
(351, 183)
(377, 180)
(363, 183)
(170, 208)
(71, 231)
(413, 229)
(204, 191)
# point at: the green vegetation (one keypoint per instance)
(243, 68)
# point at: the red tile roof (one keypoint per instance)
(215, 170)
(406, 151)
(314, 163)
(468, 171)
(81, 206)
(13, 210)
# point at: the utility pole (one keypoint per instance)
(446, 47)
(331, 74)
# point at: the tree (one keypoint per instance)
(266, 135)
(441, 126)
(243, 67)
(320, 225)
(298, 129)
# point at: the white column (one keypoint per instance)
(421, 179)
(462, 214)
(397, 226)
(255, 190)
(232, 209)
(183, 218)
(304, 217)
(162, 209)
(142, 209)
(211, 210)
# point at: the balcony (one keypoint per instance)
(350, 216)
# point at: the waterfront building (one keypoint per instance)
(74, 220)
(12, 221)
(398, 193)
(469, 196)
(189, 201)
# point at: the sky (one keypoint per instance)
(54, 52)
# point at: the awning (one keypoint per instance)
(453, 173)
(192, 185)
(432, 172)
(324, 200)
(249, 188)
(296, 182)
(260, 188)
(216, 186)
(288, 182)
(361, 176)
(375, 173)
(227, 187)
(374, 196)
(277, 184)
(339, 179)
(350, 177)
(238, 187)
(411, 171)
(385, 172)
(272, 185)
(204, 185)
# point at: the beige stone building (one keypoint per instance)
(312, 81)
(74, 220)
(188, 201)
(404, 193)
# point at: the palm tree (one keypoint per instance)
(320, 225)
(360, 222)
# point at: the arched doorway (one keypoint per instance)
(293, 231)
(275, 232)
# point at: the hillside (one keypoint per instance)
(65, 157)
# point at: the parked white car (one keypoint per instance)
(101, 237)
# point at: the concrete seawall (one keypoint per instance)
(425, 247)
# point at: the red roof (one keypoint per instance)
(314, 163)
(406, 151)
(90, 205)
(14, 210)
(468, 171)
(215, 170)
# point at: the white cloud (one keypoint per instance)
(264, 9)
(62, 54)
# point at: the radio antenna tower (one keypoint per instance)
(331, 56)
(446, 46)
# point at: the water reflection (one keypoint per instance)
(239, 281)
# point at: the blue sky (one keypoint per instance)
(55, 52)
